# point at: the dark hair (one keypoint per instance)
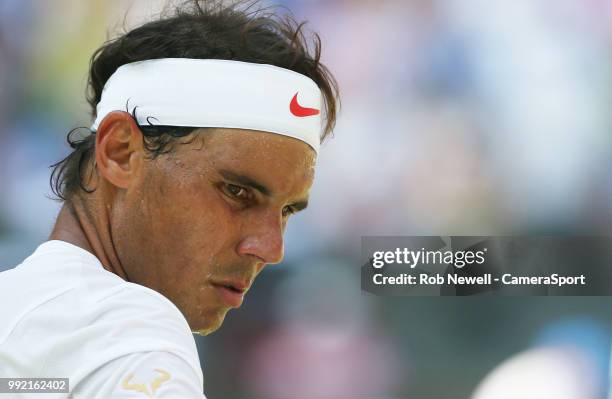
(241, 31)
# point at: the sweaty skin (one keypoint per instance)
(210, 213)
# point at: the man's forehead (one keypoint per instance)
(263, 147)
(273, 163)
(244, 137)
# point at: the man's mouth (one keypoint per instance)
(233, 288)
(231, 293)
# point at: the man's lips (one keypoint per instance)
(231, 292)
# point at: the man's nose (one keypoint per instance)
(264, 240)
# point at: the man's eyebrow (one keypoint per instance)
(245, 181)
(250, 182)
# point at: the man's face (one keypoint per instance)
(198, 224)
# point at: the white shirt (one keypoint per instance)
(62, 315)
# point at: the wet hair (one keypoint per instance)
(240, 31)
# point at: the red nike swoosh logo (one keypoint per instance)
(297, 110)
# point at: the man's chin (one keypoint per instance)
(210, 325)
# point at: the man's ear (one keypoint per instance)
(119, 148)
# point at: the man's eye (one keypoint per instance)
(237, 191)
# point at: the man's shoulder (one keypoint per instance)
(127, 319)
(136, 309)
(75, 289)
(68, 314)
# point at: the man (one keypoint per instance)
(206, 128)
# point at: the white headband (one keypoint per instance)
(215, 93)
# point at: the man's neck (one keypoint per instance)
(78, 225)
